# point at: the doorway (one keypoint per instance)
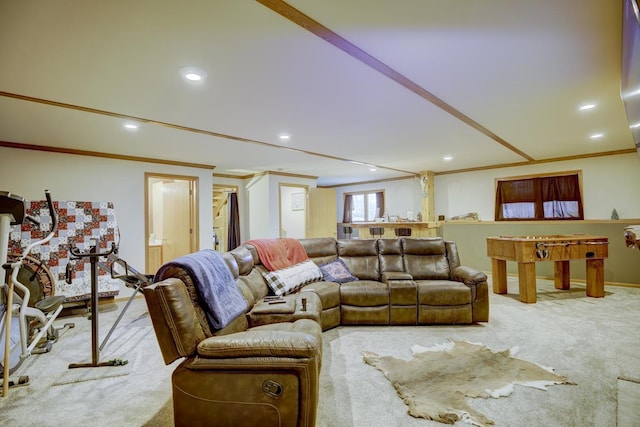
(171, 223)
(221, 215)
(293, 210)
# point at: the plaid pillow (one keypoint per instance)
(290, 279)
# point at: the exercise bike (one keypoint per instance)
(26, 312)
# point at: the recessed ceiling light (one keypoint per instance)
(284, 137)
(596, 136)
(193, 74)
(131, 126)
(372, 169)
(586, 107)
(448, 158)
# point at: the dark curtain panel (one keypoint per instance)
(380, 204)
(556, 190)
(515, 191)
(348, 208)
(233, 237)
(559, 189)
(564, 188)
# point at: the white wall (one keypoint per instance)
(71, 177)
(608, 182)
(264, 206)
(259, 206)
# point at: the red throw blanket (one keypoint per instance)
(276, 254)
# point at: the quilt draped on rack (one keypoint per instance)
(81, 225)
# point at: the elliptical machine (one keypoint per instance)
(33, 319)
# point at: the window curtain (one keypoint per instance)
(233, 236)
(348, 209)
(553, 197)
(561, 197)
(515, 199)
(379, 204)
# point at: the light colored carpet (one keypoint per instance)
(591, 341)
(628, 402)
(101, 396)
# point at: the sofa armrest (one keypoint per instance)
(279, 306)
(292, 310)
(174, 319)
(467, 275)
(301, 339)
(395, 275)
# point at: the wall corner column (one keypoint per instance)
(427, 196)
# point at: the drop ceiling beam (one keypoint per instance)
(297, 17)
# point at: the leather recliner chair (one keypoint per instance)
(236, 376)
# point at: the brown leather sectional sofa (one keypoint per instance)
(402, 282)
(263, 368)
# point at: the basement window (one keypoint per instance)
(541, 197)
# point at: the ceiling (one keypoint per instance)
(398, 84)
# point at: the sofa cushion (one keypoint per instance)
(290, 279)
(255, 282)
(337, 271)
(232, 264)
(443, 292)
(390, 252)
(329, 293)
(361, 257)
(426, 259)
(320, 249)
(364, 293)
(243, 258)
(246, 293)
(299, 339)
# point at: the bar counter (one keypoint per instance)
(418, 229)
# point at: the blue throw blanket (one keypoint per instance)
(209, 272)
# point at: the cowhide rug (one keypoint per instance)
(435, 382)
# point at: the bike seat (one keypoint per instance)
(50, 303)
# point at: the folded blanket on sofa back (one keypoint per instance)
(276, 254)
(209, 272)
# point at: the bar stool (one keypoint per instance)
(348, 230)
(376, 232)
(403, 232)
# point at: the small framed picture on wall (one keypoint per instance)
(297, 202)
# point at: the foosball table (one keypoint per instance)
(527, 250)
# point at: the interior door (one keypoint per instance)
(322, 213)
(176, 220)
(293, 207)
(171, 213)
(221, 214)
